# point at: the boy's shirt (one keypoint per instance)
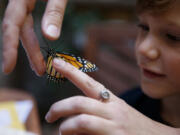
(144, 104)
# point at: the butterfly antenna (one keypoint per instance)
(46, 42)
(60, 47)
(44, 48)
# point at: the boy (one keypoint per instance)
(158, 58)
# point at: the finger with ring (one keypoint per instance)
(104, 95)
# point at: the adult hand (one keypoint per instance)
(92, 116)
(18, 24)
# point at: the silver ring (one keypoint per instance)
(105, 95)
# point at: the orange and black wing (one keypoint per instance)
(78, 62)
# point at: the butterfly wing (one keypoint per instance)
(78, 62)
(53, 75)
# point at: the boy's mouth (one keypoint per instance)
(152, 74)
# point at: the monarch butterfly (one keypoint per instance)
(76, 61)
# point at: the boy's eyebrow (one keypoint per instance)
(174, 24)
(173, 27)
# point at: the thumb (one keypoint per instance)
(53, 18)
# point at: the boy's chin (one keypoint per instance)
(152, 91)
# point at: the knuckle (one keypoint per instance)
(77, 103)
(123, 108)
(10, 32)
(53, 109)
(5, 25)
(122, 103)
(55, 13)
(83, 121)
(10, 43)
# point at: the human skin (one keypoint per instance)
(18, 25)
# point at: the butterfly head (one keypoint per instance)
(51, 52)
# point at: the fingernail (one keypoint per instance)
(4, 70)
(34, 69)
(59, 62)
(47, 117)
(38, 74)
(41, 69)
(38, 71)
(52, 31)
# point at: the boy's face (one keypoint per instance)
(158, 53)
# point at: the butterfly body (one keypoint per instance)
(76, 61)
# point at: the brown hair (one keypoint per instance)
(153, 6)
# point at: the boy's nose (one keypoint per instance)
(149, 50)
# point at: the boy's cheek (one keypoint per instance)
(173, 73)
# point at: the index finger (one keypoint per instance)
(87, 84)
(14, 18)
(53, 18)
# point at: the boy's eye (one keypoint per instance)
(173, 38)
(143, 27)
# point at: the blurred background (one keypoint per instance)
(102, 31)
